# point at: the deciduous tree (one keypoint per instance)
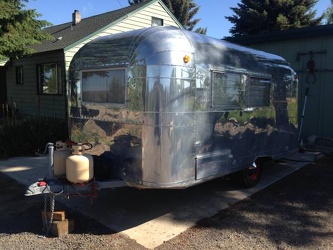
(19, 28)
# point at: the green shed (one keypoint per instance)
(310, 52)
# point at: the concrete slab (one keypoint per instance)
(25, 170)
(152, 217)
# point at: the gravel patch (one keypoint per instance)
(294, 213)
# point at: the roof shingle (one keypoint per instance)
(67, 33)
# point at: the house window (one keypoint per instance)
(19, 74)
(49, 78)
(104, 86)
(226, 90)
(156, 21)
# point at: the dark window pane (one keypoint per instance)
(49, 77)
(19, 74)
(258, 92)
(226, 89)
(104, 86)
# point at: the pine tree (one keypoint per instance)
(328, 15)
(131, 2)
(183, 10)
(258, 16)
(19, 29)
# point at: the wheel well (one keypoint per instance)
(263, 158)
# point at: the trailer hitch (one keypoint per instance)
(52, 185)
(44, 186)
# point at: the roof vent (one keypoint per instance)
(76, 17)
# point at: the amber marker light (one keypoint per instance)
(186, 58)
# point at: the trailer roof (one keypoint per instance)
(154, 45)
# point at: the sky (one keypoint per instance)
(212, 12)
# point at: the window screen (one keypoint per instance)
(107, 86)
(258, 92)
(226, 89)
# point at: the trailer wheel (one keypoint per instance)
(250, 176)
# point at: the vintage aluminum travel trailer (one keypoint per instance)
(168, 108)
(163, 107)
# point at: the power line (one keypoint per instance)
(120, 3)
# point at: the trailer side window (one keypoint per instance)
(226, 90)
(258, 92)
(291, 87)
(104, 86)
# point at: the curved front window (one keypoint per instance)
(164, 88)
(104, 86)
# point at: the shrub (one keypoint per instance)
(29, 135)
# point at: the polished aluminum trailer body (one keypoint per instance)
(168, 108)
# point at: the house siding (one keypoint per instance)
(25, 96)
(139, 20)
(3, 86)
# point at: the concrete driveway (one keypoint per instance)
(153, 216)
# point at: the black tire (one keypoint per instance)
(250, 176)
